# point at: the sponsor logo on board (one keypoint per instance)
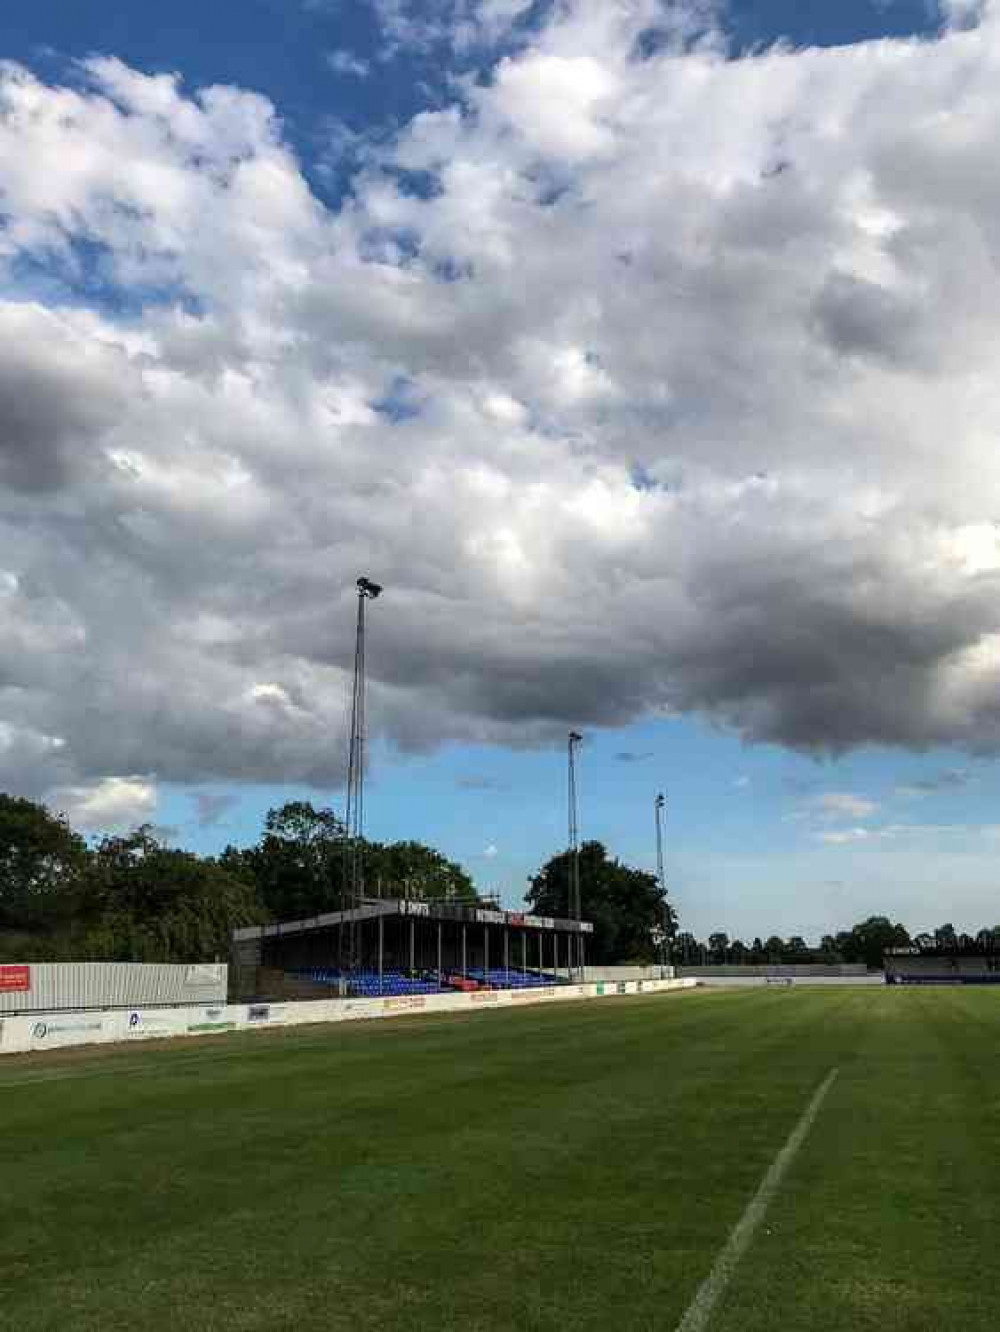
(14, 978)
(43, 1030)
(213, 1019)
(146, 1024)
(404, 1003)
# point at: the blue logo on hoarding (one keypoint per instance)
(134, 1019)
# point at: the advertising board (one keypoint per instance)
(14, 978)
(209, 1020)
(52, 1032)
(147, 1025)
(47, 1031)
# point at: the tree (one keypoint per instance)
(867, 942)
(626, 905)
(829, 950)
(298, 865)
(718, 946)
(145, 902)
(945, 936)
(41, 860)
(410, 869)
(774, 948)
(685, 949)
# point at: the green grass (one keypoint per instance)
(577, 1167)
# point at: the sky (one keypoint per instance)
(644, 350)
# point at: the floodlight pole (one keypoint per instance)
(354, 871)
(574, 850)
(659, 806)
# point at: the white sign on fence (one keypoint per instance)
(53, 1031)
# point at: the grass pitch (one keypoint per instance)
(571, 1167)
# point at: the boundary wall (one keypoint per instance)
(777, 970)
(738, 982)
(654, 971)
(45, 987)
(60, 1030)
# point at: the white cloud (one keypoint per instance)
(636, 408)
(113, 804)
(894, 832)
(846, 836)
(347, 63)
(491, 852)
(844, 805)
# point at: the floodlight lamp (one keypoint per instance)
(369, 589)
(661, 800)
(575, 737)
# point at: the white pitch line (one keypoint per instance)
(711, 1290)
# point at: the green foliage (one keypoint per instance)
(415, 870)
(133, 899)
(298, 865)
(627, 906)
(151, 903)
(41, 862)
(866, 942)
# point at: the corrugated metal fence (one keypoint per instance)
(49, 987)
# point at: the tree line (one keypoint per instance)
(865, 942)
(133, 898)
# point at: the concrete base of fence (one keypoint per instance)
(53, 1031)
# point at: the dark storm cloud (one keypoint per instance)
(56, 400)
(860, 318)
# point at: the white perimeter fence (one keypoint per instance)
(52, 1031)
(46, 987)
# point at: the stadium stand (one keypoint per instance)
(408, 946)
(369, 984)
(501, 978)
(970, 965)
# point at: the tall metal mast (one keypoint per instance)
(354, 869)
(659, 805)
(575, 911)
